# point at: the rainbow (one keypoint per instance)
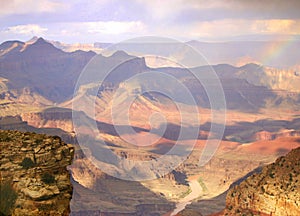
(275, 49)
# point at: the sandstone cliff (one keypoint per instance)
(274, 191)
(50, 118)
(33, 174)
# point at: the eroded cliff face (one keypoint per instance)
(50, 119)
(266, 135)
(274, 191)
(33, 173)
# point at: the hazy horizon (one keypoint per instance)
(113, 21)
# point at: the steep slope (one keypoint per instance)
(11, 47)
(274, 191)
(40, 184)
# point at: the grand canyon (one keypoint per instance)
(262, 124)
(149, 108)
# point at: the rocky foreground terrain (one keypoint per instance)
(274, 191)
(33, 174)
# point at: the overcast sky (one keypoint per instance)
(88, 21)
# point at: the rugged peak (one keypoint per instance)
(32, 40)
(8, 44)
(10, 47)
(251, 66)
(41, 47)
(41, 40)
(82, 52)
(120, 54)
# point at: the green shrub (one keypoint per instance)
(48, 178)
(7, 198)
(45, 207)
(57, 137)
(202, 184)
(184, 194)
(39, 141)
(27, 163)
(5, 137)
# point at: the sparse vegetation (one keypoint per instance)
(184, 194)
(235, 139)
(4, 137)
(272, 175)
(204, 188)
(48, 178)
(45, 207)
(57, 137)
(39, 141)
(27, 163)
(7, 198)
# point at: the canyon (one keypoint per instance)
(262, 124)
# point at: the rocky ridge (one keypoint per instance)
(40, 184)
(274, 191)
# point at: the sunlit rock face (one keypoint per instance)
(33, 173)
(274, 191)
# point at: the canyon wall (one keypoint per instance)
(274, 191)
